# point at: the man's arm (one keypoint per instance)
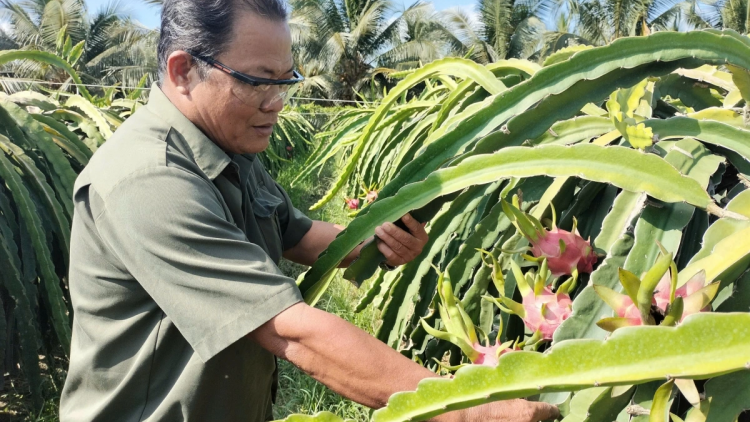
(317, 239)
(397, 245)
(363, 369)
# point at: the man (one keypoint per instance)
(179, 305)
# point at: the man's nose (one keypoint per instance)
(275, 105)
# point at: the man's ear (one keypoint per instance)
(181, 72)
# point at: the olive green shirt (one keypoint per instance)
(174, 254)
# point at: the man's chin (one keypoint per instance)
(256, 145)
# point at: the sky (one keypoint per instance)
(149, 15)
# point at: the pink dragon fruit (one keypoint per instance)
(489, 355)
(696, 295)
(567, 253)
(634, 307)
(657, 289)
(542, 310)
(627, 311)
(369, 193)
(352, 203)
(460, 329)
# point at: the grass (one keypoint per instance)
(299, 393)
(15, 403)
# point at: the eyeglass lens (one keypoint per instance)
(263, 96)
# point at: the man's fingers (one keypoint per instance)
(398, 245)
(410, 222)
(407, 240)
(389, 240)
(545, 411)
(516, 410)
(390, 256)
(415, 227)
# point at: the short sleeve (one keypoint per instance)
(294, 223)
(170, 231)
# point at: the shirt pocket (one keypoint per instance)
(265, 208)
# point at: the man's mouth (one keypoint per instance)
(264, 130)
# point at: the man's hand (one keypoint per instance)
(511, 411)
(399, 246)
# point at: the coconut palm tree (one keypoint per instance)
(113, 48)
(598, 22)
(735, 14)
(347, 48)
(340, 41)
(501, 29)
(721, 14)
(567, 33)
(422, 37)
(602, 21)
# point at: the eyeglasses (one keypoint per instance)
(257, 92)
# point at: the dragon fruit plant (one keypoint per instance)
(542, 310)
(460, 330)
(642, 141)
(656, 294)
(567, 253)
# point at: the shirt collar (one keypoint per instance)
(211, 159)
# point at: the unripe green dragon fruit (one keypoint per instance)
(567, 253)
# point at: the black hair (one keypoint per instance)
(205, 26)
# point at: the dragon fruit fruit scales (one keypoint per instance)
(541, 309)
(546, 311)
(565, 251)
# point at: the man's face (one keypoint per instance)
(261, 48)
